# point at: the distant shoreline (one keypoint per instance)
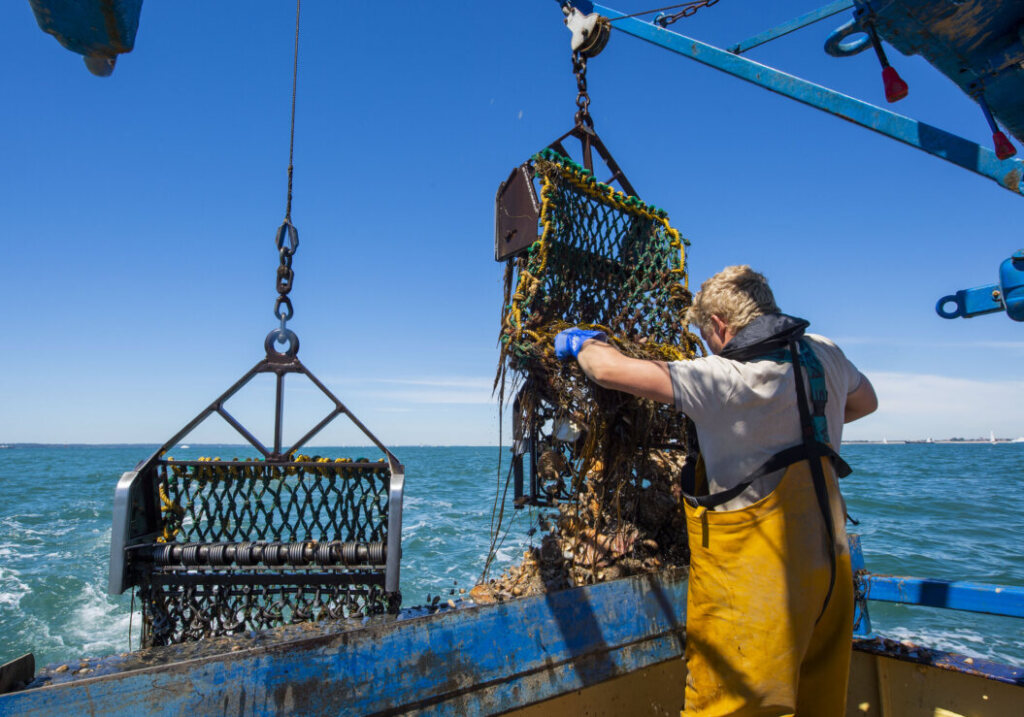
(944, 441)
(397, 447)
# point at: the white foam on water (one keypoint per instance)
(506, 554)
(98, 625)
(12, 589)
(35, 636)
(961, 641)
(420, 524)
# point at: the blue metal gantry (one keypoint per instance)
(969, 155)
(1007, 295)
(978, 44)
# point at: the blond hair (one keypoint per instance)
(737, 295)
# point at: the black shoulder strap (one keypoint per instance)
(782, 459)
(817, 474)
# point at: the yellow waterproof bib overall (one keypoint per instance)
(759, 576)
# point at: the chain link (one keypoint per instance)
(287, 235)
(287, 243)
(689, 10)
(579, 68)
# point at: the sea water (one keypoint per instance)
(949, 511)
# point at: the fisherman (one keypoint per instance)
(770, 595)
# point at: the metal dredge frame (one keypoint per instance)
(138, 516)
(517, 215)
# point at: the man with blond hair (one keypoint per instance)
(770, 595)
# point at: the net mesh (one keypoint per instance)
(610, 461)
(254, 513)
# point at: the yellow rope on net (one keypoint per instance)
(611, 262)
(664, 286)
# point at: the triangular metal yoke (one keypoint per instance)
(279, 364)
(589, 141)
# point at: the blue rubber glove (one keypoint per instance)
(568, 342)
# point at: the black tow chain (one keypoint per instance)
(689, 10)
(579, 68)
(287, 242)
(287, 239)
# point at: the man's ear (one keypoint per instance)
(720, 326)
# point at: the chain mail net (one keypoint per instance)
(248, 545)
(609, 463)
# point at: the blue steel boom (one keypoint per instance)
(1004, 72)
(925, 137)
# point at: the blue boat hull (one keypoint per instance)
(609, 649)
(470, 660)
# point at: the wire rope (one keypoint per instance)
(291, 142)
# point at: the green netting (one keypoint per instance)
(250, 545)
(605, 260)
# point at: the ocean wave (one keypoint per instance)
(12, 590)
(961, 641)
(55, 543)
(99, 624)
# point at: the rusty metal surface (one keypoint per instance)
(90, 27)
(466, 660)
(516, 213)
(589, 140)
(975, 43)
(16, 672)
(909, 652)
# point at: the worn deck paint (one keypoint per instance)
(471, 660)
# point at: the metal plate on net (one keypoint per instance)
(516, 213)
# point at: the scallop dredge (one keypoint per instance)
(605, 469)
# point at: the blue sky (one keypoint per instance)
(140, 211)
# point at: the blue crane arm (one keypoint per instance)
(925, 137)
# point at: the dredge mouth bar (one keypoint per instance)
(311, 552)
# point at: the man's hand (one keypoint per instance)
(568, 342)
(607, 367)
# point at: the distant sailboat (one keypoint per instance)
(992, 437)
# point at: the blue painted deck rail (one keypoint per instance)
(955, 595)
(1006, 600)
(468, 660)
